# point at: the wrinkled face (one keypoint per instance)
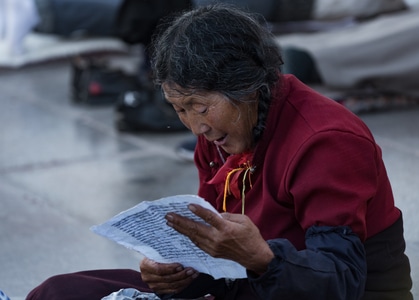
(211, 114)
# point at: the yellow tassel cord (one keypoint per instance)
(248, 171)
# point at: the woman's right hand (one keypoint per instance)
(166, 278)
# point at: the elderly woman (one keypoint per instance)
(308, 207)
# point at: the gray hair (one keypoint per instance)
(219, 48)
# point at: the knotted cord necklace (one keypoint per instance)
(248, 170)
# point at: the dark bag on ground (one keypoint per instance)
(137, 19)
(145, 109)
(139, 106)
(94, 82)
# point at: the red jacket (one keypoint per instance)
(316, 164)
(317, 189)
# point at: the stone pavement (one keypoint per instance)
(64, 168)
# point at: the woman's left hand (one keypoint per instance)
(232, 236)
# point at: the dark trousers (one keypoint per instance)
(100, 283)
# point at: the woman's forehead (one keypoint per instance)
(174, 90)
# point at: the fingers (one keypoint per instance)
(214, 219)
(185, 225)
(208, 216)
(166, 278)
(198, 233)
(235, 218)
(150, 266)
(216, 226)
(193, 230)
(173, 283)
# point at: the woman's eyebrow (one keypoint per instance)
(186, 102)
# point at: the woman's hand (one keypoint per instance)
(231, 236)
(166, 278)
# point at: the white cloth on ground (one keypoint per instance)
(383, 52)
(131, 294)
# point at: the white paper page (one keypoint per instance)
(143, 228)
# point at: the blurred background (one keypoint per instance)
(84, 134)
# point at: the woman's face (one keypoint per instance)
(212, 115)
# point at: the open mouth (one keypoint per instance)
(221, 141)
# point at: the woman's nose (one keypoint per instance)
(199, 129)
(196, 125)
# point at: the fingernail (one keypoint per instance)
(169, 219)
(178, 269)
(192, 207)
(190, 272)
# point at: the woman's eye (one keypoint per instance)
(200, 108)
(178, 109)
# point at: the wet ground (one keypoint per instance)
(64, 168)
